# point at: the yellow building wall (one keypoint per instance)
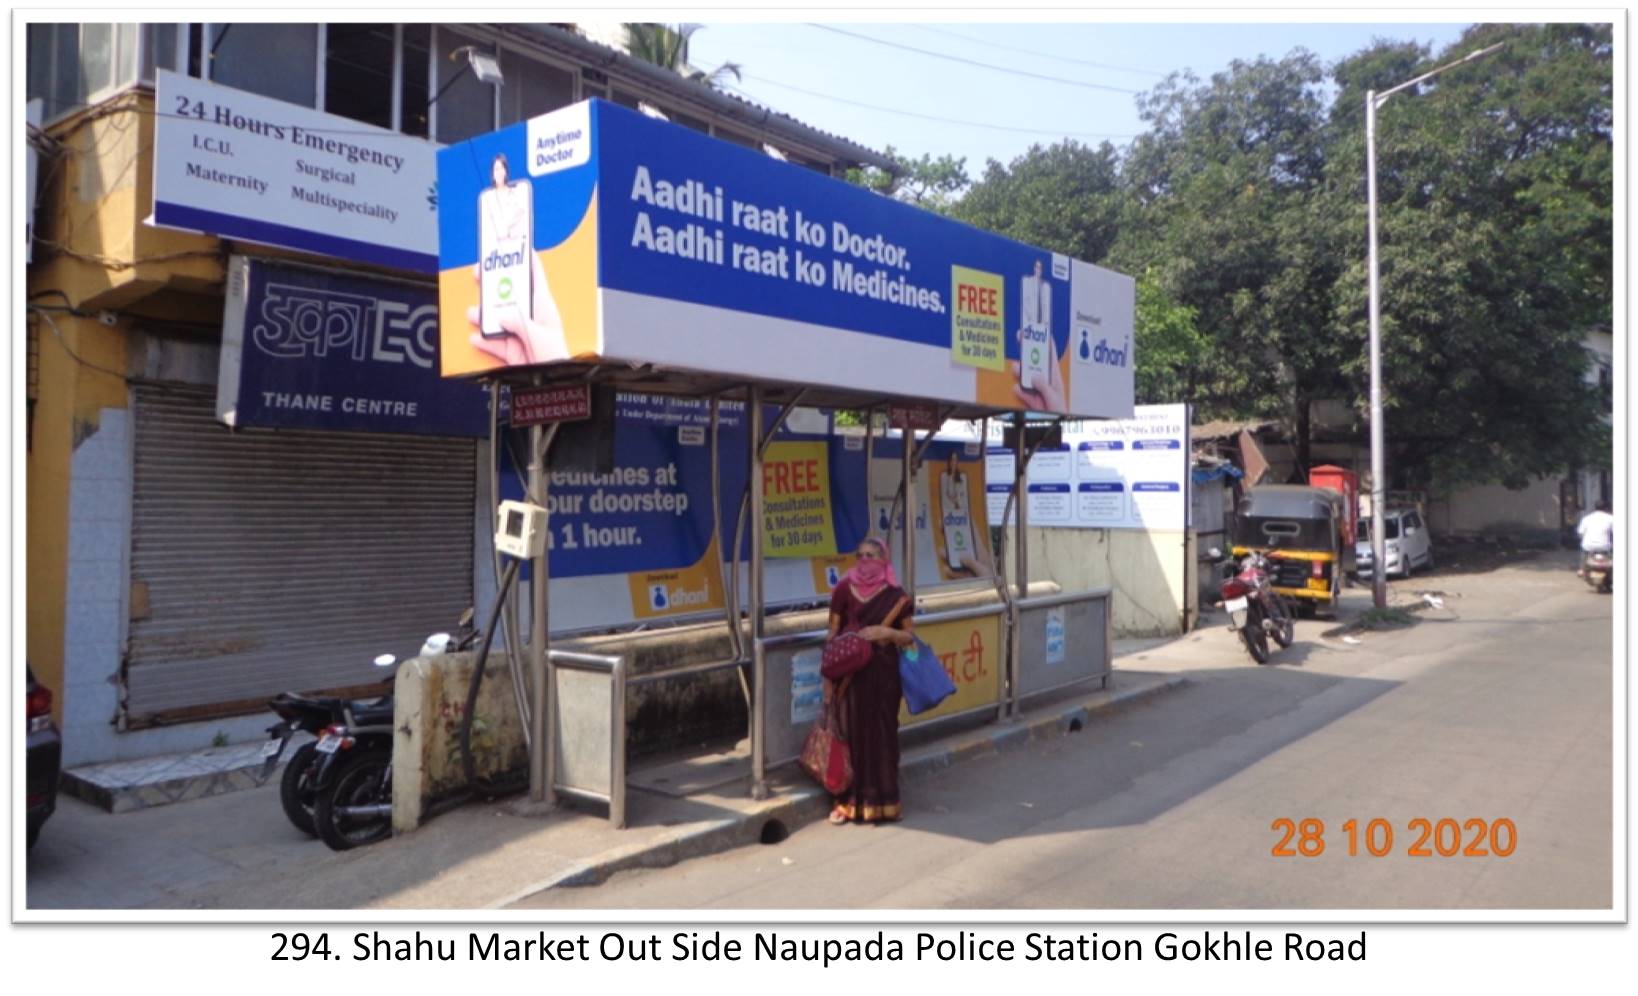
(92, 255)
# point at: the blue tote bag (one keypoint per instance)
(922, 675)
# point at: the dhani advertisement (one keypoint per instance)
(596, 233)
(638, 543)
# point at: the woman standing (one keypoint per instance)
(870, 602)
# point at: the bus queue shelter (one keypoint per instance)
(594, 245)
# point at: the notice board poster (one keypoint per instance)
(1106, 474)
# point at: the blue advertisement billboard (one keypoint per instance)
(596, 232)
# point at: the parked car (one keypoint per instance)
(45, 756)
(1407, 546)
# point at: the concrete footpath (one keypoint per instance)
(237, 851)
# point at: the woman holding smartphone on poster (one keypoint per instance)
(516, 319)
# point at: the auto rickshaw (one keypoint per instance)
(1299, 528)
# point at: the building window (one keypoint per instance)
(467, 107)
(412, 83)
(274, 60)
(358, 72)
(70, 64)
(158, 49)
(532, 88)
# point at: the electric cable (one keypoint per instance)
(974, 62)
(45, 313)
(987, 43)
(918, 115)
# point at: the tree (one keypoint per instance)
(666, 46)
(1495, 192)
(926, 182)
(1169, 345)
(1064, 197)
(1227, 215)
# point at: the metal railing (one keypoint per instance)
(575, 772)
(1030, 669)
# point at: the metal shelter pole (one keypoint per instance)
(753, 419)
(909, 479)
(1020, 493)
(870, 453)
(542, 754)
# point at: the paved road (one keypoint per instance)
(1496, 706)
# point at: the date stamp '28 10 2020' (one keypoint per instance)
(1447, 838)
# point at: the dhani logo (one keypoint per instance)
(497, 259)
(663, 599)
(683, 597)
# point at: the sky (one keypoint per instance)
(992, 114)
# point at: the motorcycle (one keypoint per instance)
(351, 771)
(1256, 611)
(299, 714)
(1599, 571)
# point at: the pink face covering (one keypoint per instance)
(867, 577)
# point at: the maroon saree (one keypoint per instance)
(869, 710)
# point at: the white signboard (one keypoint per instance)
(242, 166)
(1108, 474)
(807, 690)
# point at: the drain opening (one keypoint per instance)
(774, 832)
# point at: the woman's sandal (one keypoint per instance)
(838, 816)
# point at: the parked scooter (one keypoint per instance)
(1599, 571)
(1256, 611)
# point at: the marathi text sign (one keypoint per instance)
(244, 166)
(540, 405)
(971, 653)
(321, 349)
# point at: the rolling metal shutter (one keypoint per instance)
(275, 561)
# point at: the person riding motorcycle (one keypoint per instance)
(1597, 532)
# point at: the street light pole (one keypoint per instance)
(1379, 560)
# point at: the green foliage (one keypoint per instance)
(926, 182)
(1065, 198)
(1495, 187)
(1243, 210)
(666, 46)
(1169, 344)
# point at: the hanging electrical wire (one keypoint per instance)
(923, 117)
(973, 62)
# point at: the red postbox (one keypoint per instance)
(1345, 483)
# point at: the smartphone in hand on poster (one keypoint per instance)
(506, 224)
(1034, 356)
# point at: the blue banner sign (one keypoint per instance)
(594, 232)
(321, 349)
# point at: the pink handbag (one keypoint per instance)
(825, 756)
